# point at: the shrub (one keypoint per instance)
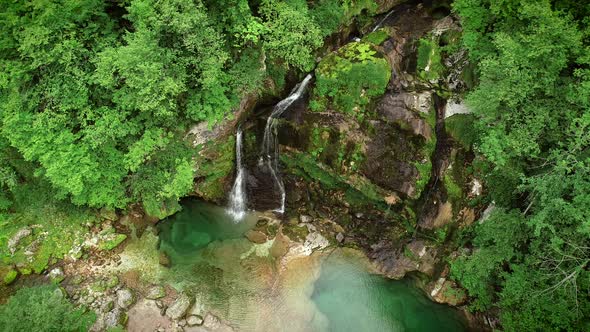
(43, 308)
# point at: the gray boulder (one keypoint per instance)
(156, 292)
(179, 307)
(193, 320)
(125, 298)
(17, 237)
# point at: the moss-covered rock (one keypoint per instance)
(356, 189)
(10, 276)
(349, 79)
(161, 209)
(429, 62)
(461, 128)
(54, 231)
(215, 167)
(111, 241)
(376, 37)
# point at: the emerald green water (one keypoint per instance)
(322, 292)
(354, 300)
(186, 233)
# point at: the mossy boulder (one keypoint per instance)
(159, 210)
(429, 62)
(215, 165)
(461, 128)
(45, 234)
(348, 80)
(111, 241)
(10, 276)
(354, 188)
(376, 37)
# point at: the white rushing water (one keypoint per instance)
(270, 146)
(382, 21)
(237, 196)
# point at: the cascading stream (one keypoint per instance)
(237, 196)
(382, 21)
(270, 145)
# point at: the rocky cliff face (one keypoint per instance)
(370, 147)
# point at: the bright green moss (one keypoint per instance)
(377, 37)
(461, 128)
(112, 242)
(348, 80)
(61, 226)
(429, 61)
(358, 190)
(424, 168)
(10, 277)
(161, 209)
(453, 189)
(215, 164)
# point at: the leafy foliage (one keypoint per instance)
(531, 257)
(349, 79)
(43, 308)
(96, 96)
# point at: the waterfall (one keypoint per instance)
(237, 196)
(382, 21)
(270, 146)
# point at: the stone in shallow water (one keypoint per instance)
(164, 260)
(256, 236)
(280, 246)
(179, 307)
(156, 292)
(193, 320)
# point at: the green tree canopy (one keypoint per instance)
(531, 258)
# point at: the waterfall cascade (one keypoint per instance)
(237, 196)
(382, 21)
(270, 144)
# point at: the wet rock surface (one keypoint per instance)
(390, 145)
(397, 262)
(179, 307)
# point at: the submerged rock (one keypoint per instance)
(212, 323)
(156, 292)
(178, 309)
(193, 320)
(164, 260)
(280, 246)
(255, 236)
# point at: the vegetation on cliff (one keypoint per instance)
(531, 258)
(96, 98)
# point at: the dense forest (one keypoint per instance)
(96, 98)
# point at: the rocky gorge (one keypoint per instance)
(375, 160)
